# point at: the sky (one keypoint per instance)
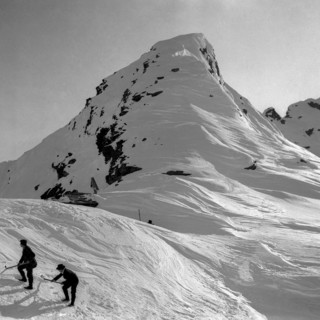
(54, 53)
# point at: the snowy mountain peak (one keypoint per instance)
(169, 112)
(166, 59)
(191, 45)
(300, 124)
(99, 137)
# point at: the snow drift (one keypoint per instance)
(128, 269)
(132, 270)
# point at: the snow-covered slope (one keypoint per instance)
(265, 267)
(301, 124)
(234, 202)
(169, 111)
(128, 270)
(127, 120)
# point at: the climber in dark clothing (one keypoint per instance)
(71, 281)
(27, 262)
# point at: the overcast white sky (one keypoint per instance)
(54, 53)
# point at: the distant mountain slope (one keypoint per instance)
(301, 124)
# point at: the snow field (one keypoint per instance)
(127, 269)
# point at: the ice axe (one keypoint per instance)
(6, 268)
(47, 279)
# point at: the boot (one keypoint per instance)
(29, 287)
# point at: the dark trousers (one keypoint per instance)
(29, 267)
(73, 286)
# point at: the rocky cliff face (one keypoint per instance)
(301, 124)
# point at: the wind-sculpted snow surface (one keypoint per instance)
(258, 263)
(127, 269)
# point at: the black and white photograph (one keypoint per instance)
(160, 159)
